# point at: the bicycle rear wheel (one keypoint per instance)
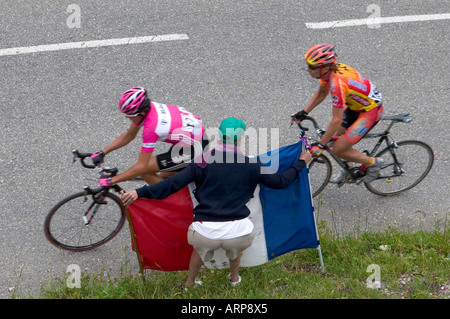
(66, 227)
(405, 166)
(319, 174)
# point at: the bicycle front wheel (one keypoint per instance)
(405, 166)
(319, 174)
(78, 223)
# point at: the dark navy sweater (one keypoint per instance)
(223, 187)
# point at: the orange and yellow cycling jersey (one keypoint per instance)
(348, 88)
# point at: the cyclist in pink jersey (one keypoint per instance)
(160, 122)
(357, 108)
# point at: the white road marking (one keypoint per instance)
(379, 20)
(92, 44)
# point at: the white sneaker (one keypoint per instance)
(196, 283)
(235, 283)
(337, 178)
(373, 171)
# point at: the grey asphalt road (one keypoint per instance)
(242, 59)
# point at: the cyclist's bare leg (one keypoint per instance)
(164, 175)
(344, 149)
(152, 176)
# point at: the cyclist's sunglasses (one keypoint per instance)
(145, 106)
(132, 115)
(312, 67)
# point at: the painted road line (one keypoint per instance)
(373, 21)
(92, 44)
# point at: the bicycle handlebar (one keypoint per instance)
(319, 131)
(83, 156)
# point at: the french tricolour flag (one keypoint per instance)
(283, 220)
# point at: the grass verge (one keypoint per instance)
(407, 265)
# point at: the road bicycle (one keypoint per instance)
(406, 163)
(87, 219)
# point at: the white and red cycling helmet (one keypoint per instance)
(134, 101)
(321, 55)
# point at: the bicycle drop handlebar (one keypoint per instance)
(83, 156)
(319, 131)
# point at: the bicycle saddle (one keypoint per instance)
(402, 117)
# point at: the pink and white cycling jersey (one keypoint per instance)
(170, 124)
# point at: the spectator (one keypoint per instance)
(223, 187)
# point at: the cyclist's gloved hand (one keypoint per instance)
(316, 149)
(300, 115)
(105, 182)
(97, 158)
(104, 179)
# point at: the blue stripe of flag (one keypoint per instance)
(288, 213)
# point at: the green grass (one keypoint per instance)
(412, 266)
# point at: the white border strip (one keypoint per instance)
(373, 21)
(92, 44)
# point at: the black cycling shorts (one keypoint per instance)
(177, 158)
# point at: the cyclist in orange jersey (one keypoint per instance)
(357, 108)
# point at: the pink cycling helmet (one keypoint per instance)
(320, 55)
(134, 101)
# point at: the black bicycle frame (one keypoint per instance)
(98, 196)
(355, 172)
